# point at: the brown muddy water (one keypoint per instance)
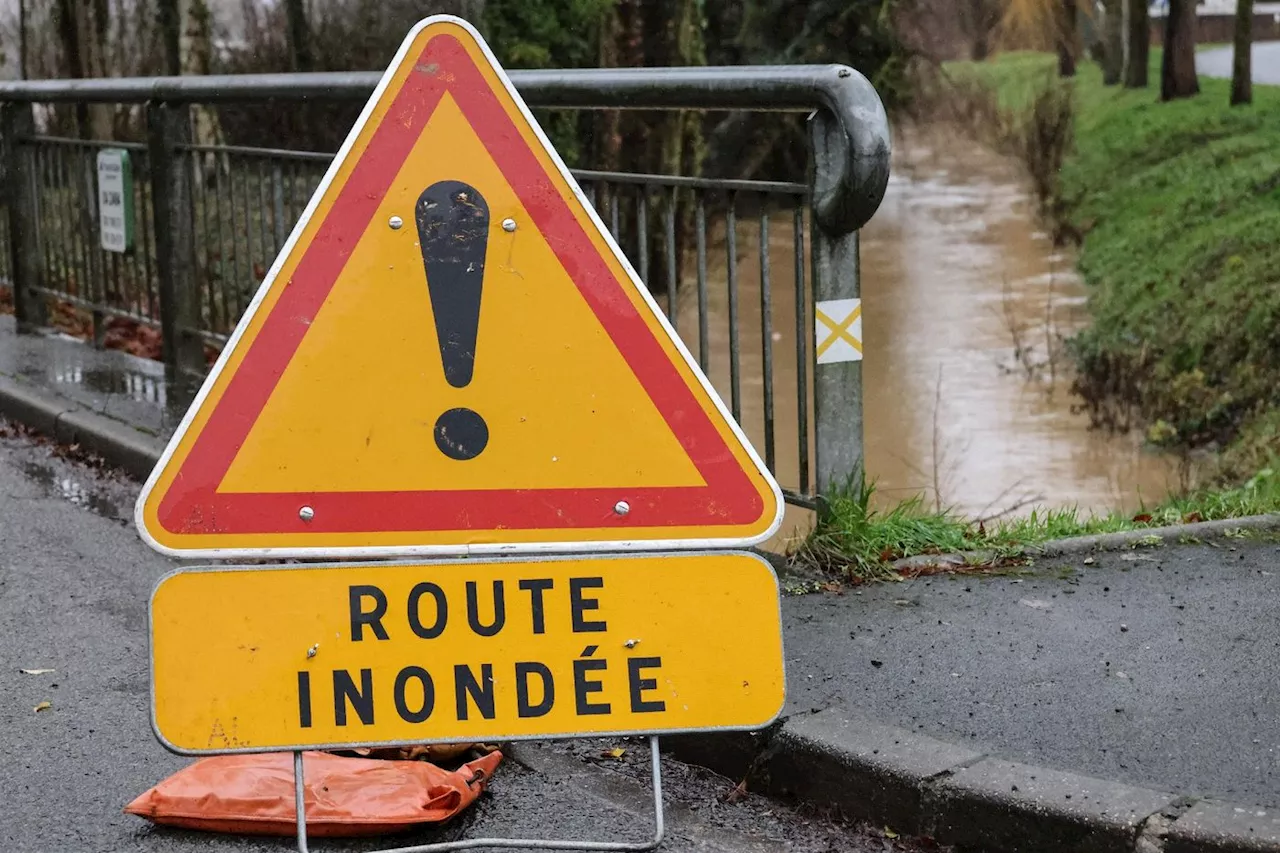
(967, 389)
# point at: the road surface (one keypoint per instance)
(74, 582)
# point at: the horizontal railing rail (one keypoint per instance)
(727, 251)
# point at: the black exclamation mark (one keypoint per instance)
(453, 233)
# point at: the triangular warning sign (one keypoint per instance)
(452, 356)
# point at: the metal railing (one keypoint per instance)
(210, 220)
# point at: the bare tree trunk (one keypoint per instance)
(22, 39)
(299, 35)
(1242, 61)
(1113, 43)
(171, 35)
(1178, 68)
(1138, 42)
(69, 38)
(197, 59)
(95, 26)
(977, 19)
(1066, 38)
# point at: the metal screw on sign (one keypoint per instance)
(395, 222)
(508, 225)
(622, 508)
(306, 513)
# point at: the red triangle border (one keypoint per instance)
(193, 505)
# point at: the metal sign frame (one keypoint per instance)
(558, 547)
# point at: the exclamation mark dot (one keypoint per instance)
(453, 233)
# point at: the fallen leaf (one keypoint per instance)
(43, 706)
(617, 752)
(834, 586)
(35, 671)
(1192, 518)
(1142, 517)
(889, 833)
(739, 791)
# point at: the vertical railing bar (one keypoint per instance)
(94, 283)
(147, 239)
(591, 196)
(615, 201)
(642, 231)
(21, 188)
(84, 283)
(277, 204)
(45, 228)
(136, 254)
(766, 334)
(225, 277)
(264, 229)
(61, 269)
(244, 292)
(673, 286)
(209, 228)
(802, 365)
(704, 342)
(51, 233)
(735, 349)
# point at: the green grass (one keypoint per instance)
(1178, 206)
(857, 540)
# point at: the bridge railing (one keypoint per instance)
(741, 263)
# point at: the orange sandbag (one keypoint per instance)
(254, 794)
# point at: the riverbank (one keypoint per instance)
(1175, 209)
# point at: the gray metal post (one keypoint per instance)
(17, 122)
(837, 386)
(168, 127)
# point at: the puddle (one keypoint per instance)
(106, 498)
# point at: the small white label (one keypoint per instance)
(838, 330)
(115, 210)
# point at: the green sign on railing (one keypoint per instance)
(115, 200)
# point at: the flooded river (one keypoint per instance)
(966, 303)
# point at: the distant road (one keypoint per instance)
(1266, 62)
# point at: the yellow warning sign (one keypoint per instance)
(451, 355)
(260, 659)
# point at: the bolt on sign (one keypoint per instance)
(451, 355)
(383, 654)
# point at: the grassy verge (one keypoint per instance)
(1177, 211)
(858, 541)
(1177, 208)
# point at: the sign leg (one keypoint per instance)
(299, 805)
(659, 819)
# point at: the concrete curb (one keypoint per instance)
(120, 445)
(917, 785)
(1102, 541)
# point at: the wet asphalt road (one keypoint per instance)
(1154, 666)
(74, 581)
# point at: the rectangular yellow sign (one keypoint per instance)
(263, 659)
